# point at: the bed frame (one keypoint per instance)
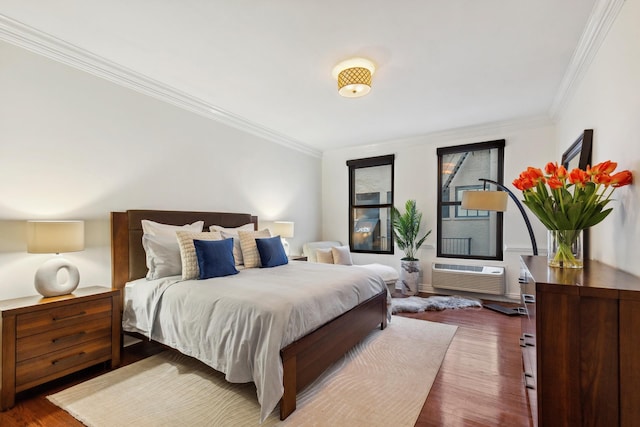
(303, 360)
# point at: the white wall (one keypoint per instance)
(607, 100)
(74, 146)
(528, 143)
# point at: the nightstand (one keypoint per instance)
(297, 257)
(47, 338)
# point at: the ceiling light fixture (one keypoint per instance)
(354, 77)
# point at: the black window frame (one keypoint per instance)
(386, 160)
(476, 146)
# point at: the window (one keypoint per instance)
(466, 233)
(370, 201)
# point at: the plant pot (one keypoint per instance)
(410, 277)
(564, 248)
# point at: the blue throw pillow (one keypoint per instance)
(215, 258)
(271, 252)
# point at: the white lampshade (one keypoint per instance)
(282, 229)
(485, 200)
(55, 237)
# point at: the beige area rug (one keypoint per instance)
(384, 381)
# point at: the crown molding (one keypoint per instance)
(44, 44)
(602, 17)
(488, 130)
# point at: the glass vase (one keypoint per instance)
(564, 248)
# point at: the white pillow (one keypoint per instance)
(158, 229)
(341, 255)
(249, 248)
(190, 269)
(163, 256)
(233, 234)
(324, 256)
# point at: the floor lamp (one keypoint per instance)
(497, 201)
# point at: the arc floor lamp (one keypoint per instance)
(497, 201)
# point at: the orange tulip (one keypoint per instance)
(578, 177)
(622, 178)
(551, 168)
(584, 207)
(604, 167)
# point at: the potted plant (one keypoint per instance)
(406, 230)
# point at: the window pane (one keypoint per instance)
(371, 229)
(372, 185)
(462, 232)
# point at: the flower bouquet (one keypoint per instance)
(568, 202)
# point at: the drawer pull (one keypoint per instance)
(71, 316)
(67, 337)
(529, 299)
(55, 362)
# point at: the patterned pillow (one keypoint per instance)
(249, 248)
(324, 256)
(188, 255)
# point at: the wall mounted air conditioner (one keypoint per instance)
(468, 278)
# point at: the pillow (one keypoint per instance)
(233, 233)
(341, 255)
(249, 248)
(158, 229)
(271, 252)
(215, 258)
(190, 268)
(163, 256)
(324, 256)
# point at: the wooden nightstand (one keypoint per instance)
(47, 338)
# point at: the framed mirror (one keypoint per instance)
(578, 155)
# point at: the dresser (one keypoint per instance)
(47, 338)
(581, 344)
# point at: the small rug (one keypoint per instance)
(383, 381)
(435, 303)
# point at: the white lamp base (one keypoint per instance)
(46, 280)
(285, 245)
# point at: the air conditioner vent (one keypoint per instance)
(468, 278)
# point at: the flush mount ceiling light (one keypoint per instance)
(354, 77)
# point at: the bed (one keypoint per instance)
(303, 359)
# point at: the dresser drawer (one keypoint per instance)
(96, 326)
(60, 317)
(37, 370)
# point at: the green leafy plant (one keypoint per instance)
(406, 228)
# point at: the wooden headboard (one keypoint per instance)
(128, 261)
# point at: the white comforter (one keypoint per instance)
(238, 324)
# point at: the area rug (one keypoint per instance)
(383, 381)
(418, 304)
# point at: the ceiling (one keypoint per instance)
(266, 65)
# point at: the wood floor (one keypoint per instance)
(479, 383)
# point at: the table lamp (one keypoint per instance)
(55, 237)
(284, 229)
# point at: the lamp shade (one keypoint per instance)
(485, 200)
(55, 236)
(354, 77)
(283, 228)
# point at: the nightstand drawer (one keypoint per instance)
(36, 370)
(98, 326)
(60, 317)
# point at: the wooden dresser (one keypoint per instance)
(581, 344)
(47, 338)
